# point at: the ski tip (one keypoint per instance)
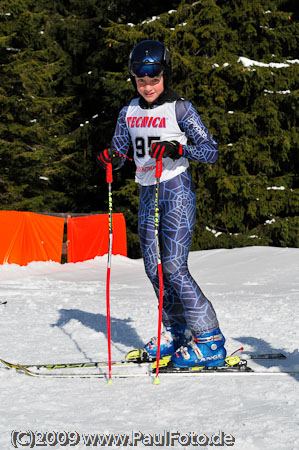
(109, 382)
(157, 381)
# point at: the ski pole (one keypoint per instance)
(159, 264)
(109, 180)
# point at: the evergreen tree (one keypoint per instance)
(33, 119)
(250, 196)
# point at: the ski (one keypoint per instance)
(134, 357)
(79, 365)
(264, 356)
(137, 357)
(238, 368)
(105, 375)
(140, 368)
(233, 364)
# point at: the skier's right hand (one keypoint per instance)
(109, 156)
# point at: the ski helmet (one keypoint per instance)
(150, 58)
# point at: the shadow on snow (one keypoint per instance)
(121, 330)
(259, 345)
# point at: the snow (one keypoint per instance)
(250, 62)
(11, 49)
(216, 233)
(57, 313)
(276, 188)
(152, 19)
(277, 92)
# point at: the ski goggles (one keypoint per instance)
(151, 70)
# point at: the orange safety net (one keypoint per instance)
(88, 236)
(27, 237)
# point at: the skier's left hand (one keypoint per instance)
(163, 149)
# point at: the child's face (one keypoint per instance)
(150, 88)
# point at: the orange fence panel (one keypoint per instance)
(88, 236)
(27, 237)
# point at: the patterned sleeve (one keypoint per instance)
(205, 148)
(121, 139)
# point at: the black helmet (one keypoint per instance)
(150, 58)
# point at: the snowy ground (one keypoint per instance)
(57, 313)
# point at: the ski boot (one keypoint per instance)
(205, 350)
(171, 339)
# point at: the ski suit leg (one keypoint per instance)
(183, 301)
(146, 231)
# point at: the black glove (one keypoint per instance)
(109, 156)
(163, 149)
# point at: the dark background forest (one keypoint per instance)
(64, 78)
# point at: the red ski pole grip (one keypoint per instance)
(109, 177)
(159, 165)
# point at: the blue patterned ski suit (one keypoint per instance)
(183, 301)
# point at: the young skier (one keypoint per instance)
(159, 124)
